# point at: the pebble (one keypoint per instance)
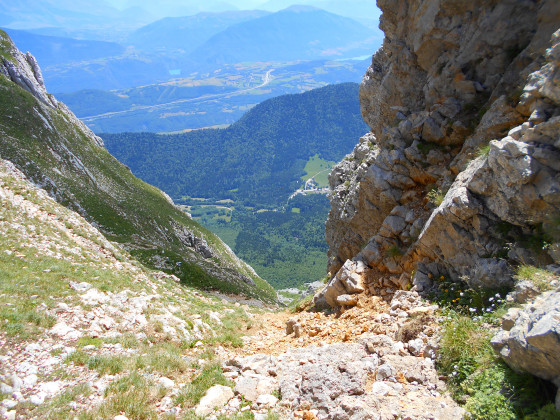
(166, 382)
(30, 380)
(37, 399)
(50, 388)
(9, 403)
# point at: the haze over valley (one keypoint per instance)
(185, 72)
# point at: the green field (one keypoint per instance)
(319, 169)
(285, 246)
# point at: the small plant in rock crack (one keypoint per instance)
(483, 151)
(435, 196)
(393, 252)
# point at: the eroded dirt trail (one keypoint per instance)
(371, 361)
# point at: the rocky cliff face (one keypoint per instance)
(459, 177)
(59, 153)
(459, 172)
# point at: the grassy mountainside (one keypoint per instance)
(50, 146)
(258, 160)
(70, 296)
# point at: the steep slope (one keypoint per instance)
(85, 330)
(57, 152)
(296, 33)
(260, 158)
(455, 191)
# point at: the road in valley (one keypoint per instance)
(266, 80)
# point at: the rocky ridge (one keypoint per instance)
(428, 118)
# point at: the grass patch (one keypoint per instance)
(23, 321)
(89, 341)
(192, 393)
(79, 358)
(165, 360)
(539, 277)
(318, 169)
(477, 377)
(131, 395)
(108, 364)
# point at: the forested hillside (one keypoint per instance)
(258, 160)
(238, 181)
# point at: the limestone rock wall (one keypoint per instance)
(461, 164)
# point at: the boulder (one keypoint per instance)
(532, 343)
(348, 280)
(215, 397)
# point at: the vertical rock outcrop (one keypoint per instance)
(462, 157)
(24, 70)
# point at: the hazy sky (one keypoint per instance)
(93, 14)
(365, 9)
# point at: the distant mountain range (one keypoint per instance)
(70, 14)
(296, 33)
(170, 47)
(362, 10)
(56, 50)
(186, 33)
